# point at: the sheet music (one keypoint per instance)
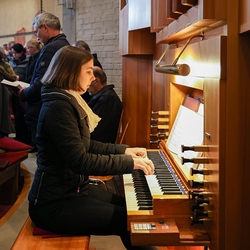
(188, 129)
(16, 83)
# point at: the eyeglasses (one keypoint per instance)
(37, 29)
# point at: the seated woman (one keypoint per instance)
(61, 199)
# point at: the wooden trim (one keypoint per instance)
(22, 196)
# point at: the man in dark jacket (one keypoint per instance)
(47, 28)
(107, 105)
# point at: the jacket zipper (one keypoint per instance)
(80, 183)
(39, 187)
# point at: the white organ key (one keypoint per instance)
(155, 189)
(130, 196)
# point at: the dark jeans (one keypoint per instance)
(99, 213)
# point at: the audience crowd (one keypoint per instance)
(28, 63)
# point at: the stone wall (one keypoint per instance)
(97, 23)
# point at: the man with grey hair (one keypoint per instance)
(47, 29)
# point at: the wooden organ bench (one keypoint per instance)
(26, 240)
(9, 175)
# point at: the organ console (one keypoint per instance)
(219, 75)
(165, 198)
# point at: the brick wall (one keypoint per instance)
(97, 23)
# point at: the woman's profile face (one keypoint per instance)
(31, 50)
(16, 55)
(86, 76)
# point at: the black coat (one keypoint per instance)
(107, 105)
(30, 67)
(66, 155)
(32, 94)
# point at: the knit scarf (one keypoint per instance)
(92, 118)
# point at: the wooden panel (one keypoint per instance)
(141, 42)
(123, 34)
(159, 15)
(244, 15)
(170, 13)
(160, 91)
(136, 96)
(237, 226)
(122, 4)
(211, 126)
(189, 2)
(178, 8)
(205, 16)
(137, 42)
(139, 14)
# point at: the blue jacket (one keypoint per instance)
(66, 154)
(32, 94)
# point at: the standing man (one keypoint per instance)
(47, 28)
(107, 105)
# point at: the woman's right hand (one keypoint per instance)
(145, 165)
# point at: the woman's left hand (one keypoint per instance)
(136, 152)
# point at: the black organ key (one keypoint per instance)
(144, 198)
(164, 176)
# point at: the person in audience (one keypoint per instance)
(83, 45)
(107, 105)
(9, 55)
(61, 199)
(6, 72)
(33, 49)
(19, 60)
(5, 52)
(18, 63)
(47, 27)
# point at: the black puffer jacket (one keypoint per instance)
(66, 155)
(32, 94)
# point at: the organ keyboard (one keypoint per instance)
(163, 199)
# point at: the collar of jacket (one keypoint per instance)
(49, 93)
(102, 90)
(54, 38)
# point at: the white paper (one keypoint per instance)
(16, 83)
(188, 130)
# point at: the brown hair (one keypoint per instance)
(65, 67)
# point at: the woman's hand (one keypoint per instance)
(145, 165)
(136, 152)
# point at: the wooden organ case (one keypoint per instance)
(220, 78)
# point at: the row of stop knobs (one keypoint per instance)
(203, 202)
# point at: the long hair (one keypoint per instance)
(65, 67)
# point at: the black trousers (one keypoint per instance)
(99, 213)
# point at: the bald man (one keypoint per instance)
(107, 105)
